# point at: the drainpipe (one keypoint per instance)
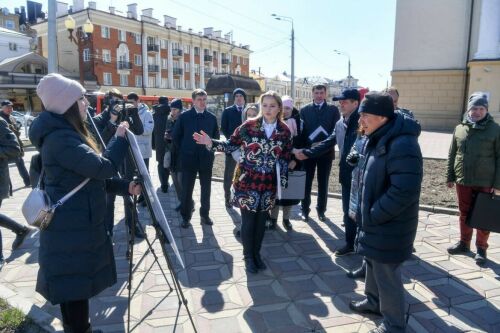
(467, 71)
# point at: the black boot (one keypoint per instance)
(459, 248)
(287, 225)
(20, 237)
(272, 224)
(259, 263)
(250, 266)
(359, 273)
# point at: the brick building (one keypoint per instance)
(142, 54)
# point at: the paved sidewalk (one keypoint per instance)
(305, 288)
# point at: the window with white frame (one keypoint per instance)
(9, 24)
(138, 80)
(187, 84)
(177, 84)
(137, 38)
(86, 54)
(197, 69)
(245, 61)
(187, 49)
(164, 63)
(124, 80)
(152, 82)
(122, 35)
(164, 43)
(137, 60)
(107, 79)
(196, 51)
(186, 67)
(106, 55)
(12, 46)
(177, 64)
(105, 32)
(238, 59)
(175, 45)
(164, 82)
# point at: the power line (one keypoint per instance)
(270, 47)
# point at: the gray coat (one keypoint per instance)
(76, 254)
(9, 149)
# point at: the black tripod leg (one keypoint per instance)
(130, 252)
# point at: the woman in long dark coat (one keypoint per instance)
(76, 254)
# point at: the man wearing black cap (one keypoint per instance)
(344, 135)
(6, 114)
(319, 119)
(389, 198)
(231, 119)
(160, 116)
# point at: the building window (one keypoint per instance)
(215, 55)
(137, 60)
(9, 24)
(86, 55)
(138, 81)
(106, 56)
(175, 45)
(238, 60)
(108, 80)
(177, 64)
(152, 82)
(122, 35)
(164, 63)
(186, 67)
(245, 61)
(197, 69)
(177, 84)
(12, 46)
(196, 51)
(137, 38)
(105, 32)
(187, 84)
(124, 80)
(187, 49)
(152, 41)
(164, 43)
(164, 82)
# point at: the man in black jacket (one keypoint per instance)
(344, 135)
(389, 198)
(160, 116)
(195, 159)
(231, 119)
(319, 120)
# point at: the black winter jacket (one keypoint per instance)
(392, 177)
(160, 117)
(9, 149)
(230, 120)
(76, 254)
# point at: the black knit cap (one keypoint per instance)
(176, 104)
(163, 100)
(240, 91)
(377, 103)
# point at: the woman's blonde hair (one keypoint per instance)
(250, 106)
(277, 98)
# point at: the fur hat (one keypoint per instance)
(58, 93)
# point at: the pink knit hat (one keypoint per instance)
(58, 93)
(287, 101)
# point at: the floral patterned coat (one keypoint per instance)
(254, 183)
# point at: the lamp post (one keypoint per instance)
(289, 19)
(81, 36)
(348, 66)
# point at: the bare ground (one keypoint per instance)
(434, 190)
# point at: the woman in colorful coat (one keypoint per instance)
(265, 144)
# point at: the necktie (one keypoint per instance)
(239, 108)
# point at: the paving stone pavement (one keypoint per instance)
(305, 288)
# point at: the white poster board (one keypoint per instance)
(151, 193)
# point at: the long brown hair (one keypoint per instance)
(277, 98)
(73, 117)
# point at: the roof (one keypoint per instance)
(10, 64)
(220, 84)
(13, 32)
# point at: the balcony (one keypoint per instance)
(153, 48)
(207, 58)
(177, 53)
(153, 68)
(177, 71)
(225, 61)
(124, 65)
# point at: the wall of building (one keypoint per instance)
(8, 40)
(485, 76)
(435, 96)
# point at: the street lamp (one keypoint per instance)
(81, 36)
(348, 66)
(289, 19)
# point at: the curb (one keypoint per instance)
(425, 208)
(43, 319)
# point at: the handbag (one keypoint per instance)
(38, 209)
(167, 159)
(296, 186)
(485, 214)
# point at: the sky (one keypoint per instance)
(363, 29)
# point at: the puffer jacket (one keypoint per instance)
(474, 155)
(76, 254)
(392, 178)
(9, 149)
(145, 139)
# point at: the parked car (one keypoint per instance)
(22, 118)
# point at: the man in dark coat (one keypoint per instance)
(345, 135)
(160, 116)
(195, 159)
(6, 114)
(319, 119)
(392, 177)
(231, 119)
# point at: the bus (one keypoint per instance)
(96, 100)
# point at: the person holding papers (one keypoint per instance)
(265, 143)
(319, 119)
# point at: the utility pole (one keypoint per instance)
(52, 38)
(292, 83)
